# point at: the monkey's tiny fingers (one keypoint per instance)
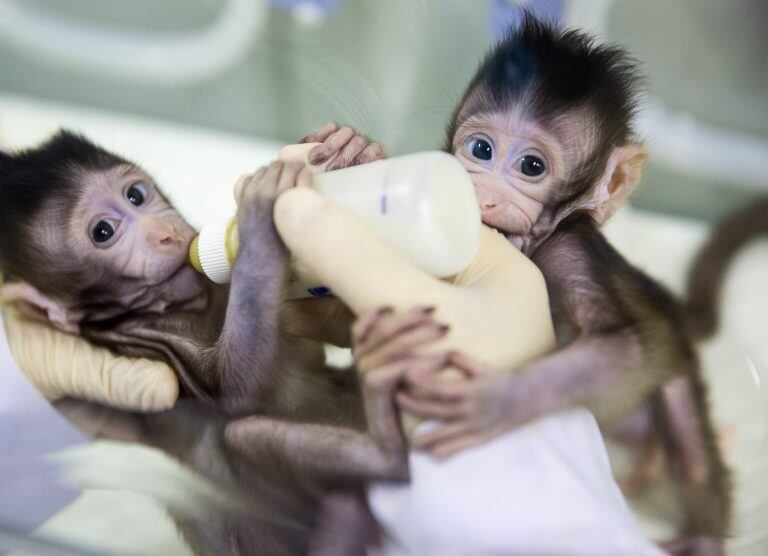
(239, 184)
(321, 134)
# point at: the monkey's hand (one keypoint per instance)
(385, 345)
(341, 147)
(63, 365)
(251, 337)
(256, 194)
(262, 259)
(481, 405)
(385, 340)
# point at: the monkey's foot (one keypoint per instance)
(645, 472)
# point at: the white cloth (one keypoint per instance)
(30, 429)
(542, 489)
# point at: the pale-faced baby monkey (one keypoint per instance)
(545, 130)
(88, 241)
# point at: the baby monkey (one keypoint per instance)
(545, 130)
(89, 243)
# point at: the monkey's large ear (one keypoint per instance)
(33, 303)
(622, 174)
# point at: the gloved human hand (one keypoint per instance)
(497, 308)
(62, 365)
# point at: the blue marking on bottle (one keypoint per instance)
(319, 291)
(383, 207)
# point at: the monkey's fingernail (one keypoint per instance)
(303, 139)
(428, 309)
(319, 158)
(381, 311)
(443, 328)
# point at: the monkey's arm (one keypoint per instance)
(629, 334)
(490, 402)
(250, 338)
(625, 346)
(385, 345)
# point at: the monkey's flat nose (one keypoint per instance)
(163, 236)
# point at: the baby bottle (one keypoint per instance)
(422, 204)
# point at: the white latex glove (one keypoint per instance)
(60, 365)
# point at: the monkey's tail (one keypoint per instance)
(707, 274)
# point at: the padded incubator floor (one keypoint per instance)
(196, 167)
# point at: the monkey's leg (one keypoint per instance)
(345, 525)
(695, 464)
(381, 453)
(640, 433)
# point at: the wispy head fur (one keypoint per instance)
(547, 72)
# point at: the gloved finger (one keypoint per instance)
(345, 255)
(245, 178)
(300, 153)
(60, 365)
(136, 384)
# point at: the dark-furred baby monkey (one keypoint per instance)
(545, 130)
(90, 243)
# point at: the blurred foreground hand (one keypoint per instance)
(61, 365)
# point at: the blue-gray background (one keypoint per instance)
(394, 69)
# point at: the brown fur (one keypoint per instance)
(623, 337)
(260, 416)
(708, 271)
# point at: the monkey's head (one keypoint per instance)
(87, 235)
(545, 129)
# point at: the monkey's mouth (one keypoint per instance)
(180, 272)
(176, 272)
(182, 285)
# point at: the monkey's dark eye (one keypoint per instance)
(136, 194)
(481, 149)
(103, 231)
(532, 166)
